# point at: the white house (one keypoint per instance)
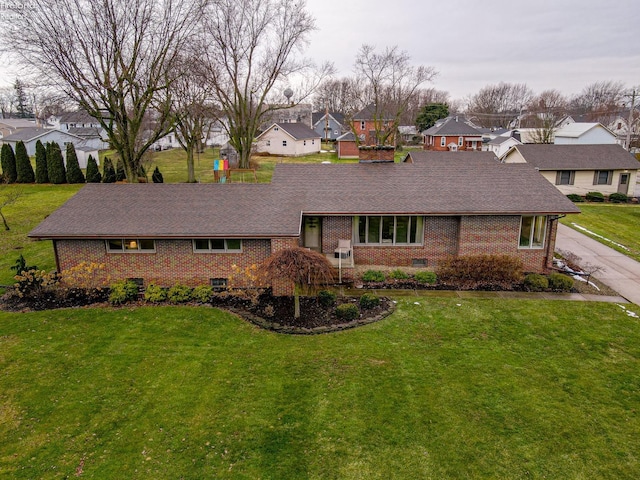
(580, 133)
(501, 145)
(581, 169)
(288, 139)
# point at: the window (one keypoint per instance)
(389, 230)
(532, 230)
(304, 142)
(362, 125)
(460, 141)
(217, 245)
(602, 177)
(284, 143)
(217, 283)
(130, 245)
(443, 141)
(313, 141)
(268, 143)
(276, 129)
(565, 177)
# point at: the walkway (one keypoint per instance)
(620, 272)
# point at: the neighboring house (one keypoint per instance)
(9, 126)
(169, 141)
(82, 125)
(409, 134)
(30, 137)
(501, 145)
(329, 126)
(453, 133)
(581, 169)
(393, 214)
(288, 139)
(579, 133)
(216, 133)
(300, 113)
(444, 157)
(368, 121)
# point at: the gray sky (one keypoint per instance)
(561, 44)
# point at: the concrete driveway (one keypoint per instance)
(620, 272)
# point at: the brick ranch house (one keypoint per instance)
(395, 214)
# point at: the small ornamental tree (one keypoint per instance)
(121, 176)
(8, 163)
(42, 175)
(108, 172)
(23, 165)
(74, 174)
(157, 176)
(55, 164)
(93, 173)
(305, 268)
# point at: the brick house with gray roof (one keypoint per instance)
(453, 133)
(394, 214)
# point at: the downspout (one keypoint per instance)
(549, 255)
(55, 254)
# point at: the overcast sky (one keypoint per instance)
(561, 44)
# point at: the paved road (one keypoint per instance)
(619, 271)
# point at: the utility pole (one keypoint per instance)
(630, 120)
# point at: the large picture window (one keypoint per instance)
(389, 230)
(217, 245)
(130, 245)
(532, 231)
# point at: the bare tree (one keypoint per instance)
(114, 58)
(499, 105)
(303, 267)
(7, 101)
(598, 101)
(8, 197)
(345, 95)
(392, 82)
(544, 114)
(249, 48)
(192, 109)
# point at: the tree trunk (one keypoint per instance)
(191, 173)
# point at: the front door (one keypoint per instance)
(623, 184)
(313, 233)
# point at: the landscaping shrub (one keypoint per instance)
(373, 276)
(93, 173)
(326, 298)
(41, 163)
(560, 282)
(179, 293)
(74, 174)
(123, 292)
(369, 301)
(481, 271)
(399, 275)
(108, 172)
(121, 176)
(618, 198)
(155, 294)
(594, 197)
(156, 176)
(33, 282)
(575, 198)
(23, 165)
(535, 282)
(202, 293)
(55, 164)
(8, 163)
(425, 277)
(347, 311)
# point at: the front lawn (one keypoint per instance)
(444, 388)
(617, 222)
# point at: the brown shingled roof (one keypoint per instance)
(173, 211)
(451, 187)
(578, 157)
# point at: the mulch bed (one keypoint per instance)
(277, 313)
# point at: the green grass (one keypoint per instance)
(446, 389)
(620, 223)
